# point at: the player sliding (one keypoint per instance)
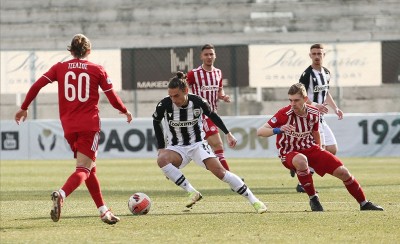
(182, 114)
(78, 96)
(299, 146)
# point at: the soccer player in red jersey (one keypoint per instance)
(299, 145)
(206, 82)
(78, 97)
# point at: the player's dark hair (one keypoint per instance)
(298, 88)
(80, 44)
(317, 45)
(207, 46)
(178, 81)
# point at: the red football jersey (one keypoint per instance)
(78, 93)
(206, 84)
(302, 137)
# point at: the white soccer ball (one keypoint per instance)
(139, 203)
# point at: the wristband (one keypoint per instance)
(314, 104)
(276, 131)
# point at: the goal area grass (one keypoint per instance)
(222, 216)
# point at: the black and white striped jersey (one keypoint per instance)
(184, 124)
(316, 83)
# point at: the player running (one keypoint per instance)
(78, 96)
(182, 113)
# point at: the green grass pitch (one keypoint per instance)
(220, 217)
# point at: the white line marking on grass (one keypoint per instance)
(239, 202)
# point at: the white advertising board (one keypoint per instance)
(358, 135)
(351, 64)
(19, 69)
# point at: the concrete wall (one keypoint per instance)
(50, 24)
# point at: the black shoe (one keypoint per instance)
(299, 188)
(370, 206)
(316, 205)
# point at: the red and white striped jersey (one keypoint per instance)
(206, 84)
(302, 137)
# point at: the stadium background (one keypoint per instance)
(143, 42)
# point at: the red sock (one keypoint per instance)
(305, 179)
(75, 180)
(93, 185)
(221, 157)
(354, 188)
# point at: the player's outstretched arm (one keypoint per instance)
(129, 116)
(220, 124)
(117, 103)
(21, 116)
(231, 140)
(266, 130)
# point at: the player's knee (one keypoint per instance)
(300, 162)
(216, 144)
(342, 173)
(163, 160)
(217, 147)
(220, 174)
(215, 167)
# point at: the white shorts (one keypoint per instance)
(327, 137)
(197, 152)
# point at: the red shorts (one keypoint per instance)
(209, 127)
(322, 161)
(86, 142)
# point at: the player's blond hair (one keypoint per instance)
(80, 44)
(297, 88)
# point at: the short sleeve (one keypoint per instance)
(277, 120)
(190, 77)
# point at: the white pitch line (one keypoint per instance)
(205, 201)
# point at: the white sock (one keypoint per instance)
(103, 209)
(176, 176)
(239, 186)
(62, 194)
